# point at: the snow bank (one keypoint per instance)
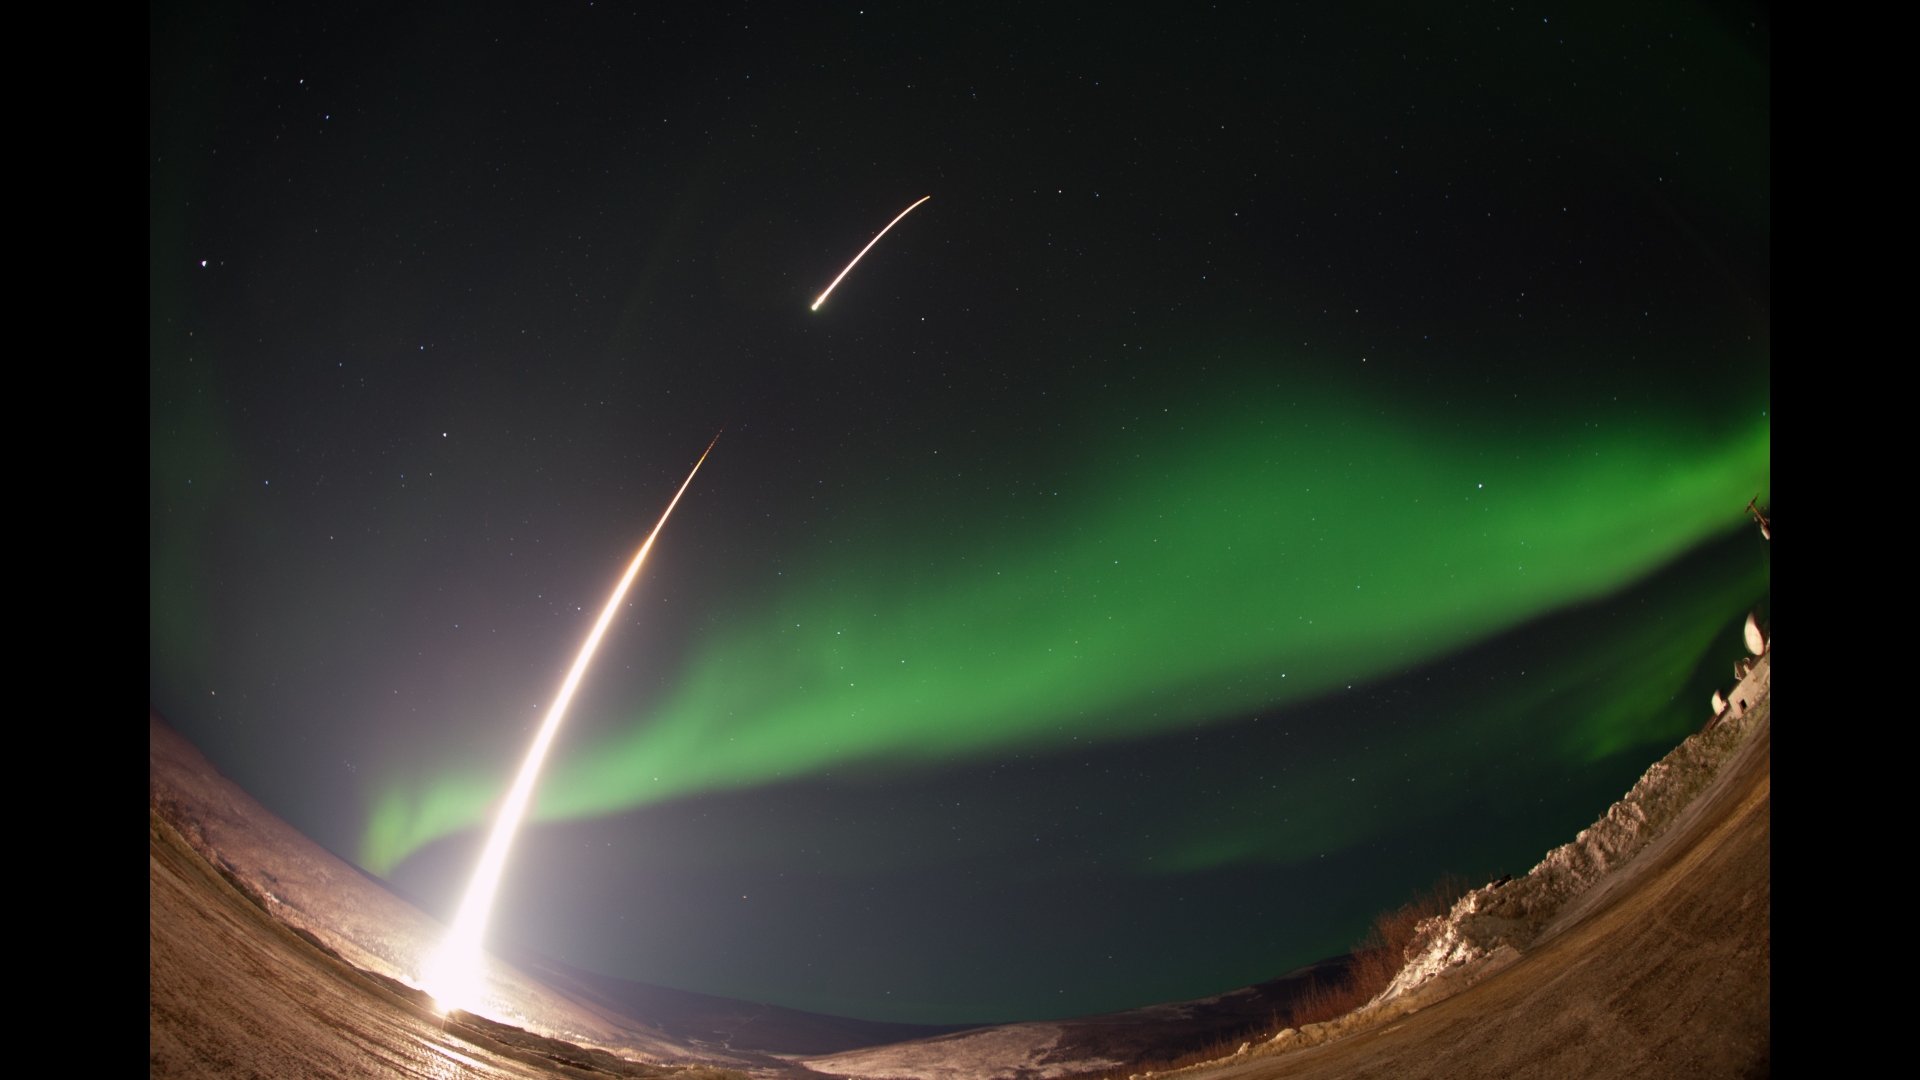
(1509, 918)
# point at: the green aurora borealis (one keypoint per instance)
(1262, 552)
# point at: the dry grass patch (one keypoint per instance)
(1379, 956)
(1375, 961)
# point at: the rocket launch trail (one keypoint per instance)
(822, 298)
(454, 975)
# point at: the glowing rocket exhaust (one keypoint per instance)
(822, 298)
(454, 975)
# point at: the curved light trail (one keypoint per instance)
(822, 298)
(454, 975)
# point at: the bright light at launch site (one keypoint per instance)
(456, 975)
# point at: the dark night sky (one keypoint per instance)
(1298, 451)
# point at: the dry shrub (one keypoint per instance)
(1214, 1051)
(1383, 952)
(1320, 1001)
(1376, 960)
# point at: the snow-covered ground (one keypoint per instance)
(1007, 1051)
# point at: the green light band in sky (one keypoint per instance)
(1278, 554)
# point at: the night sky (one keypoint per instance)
(1295, 453)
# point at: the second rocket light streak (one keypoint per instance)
(453, 976)
(863, 252)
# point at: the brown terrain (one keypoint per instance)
(271, 957)
(234, 992)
